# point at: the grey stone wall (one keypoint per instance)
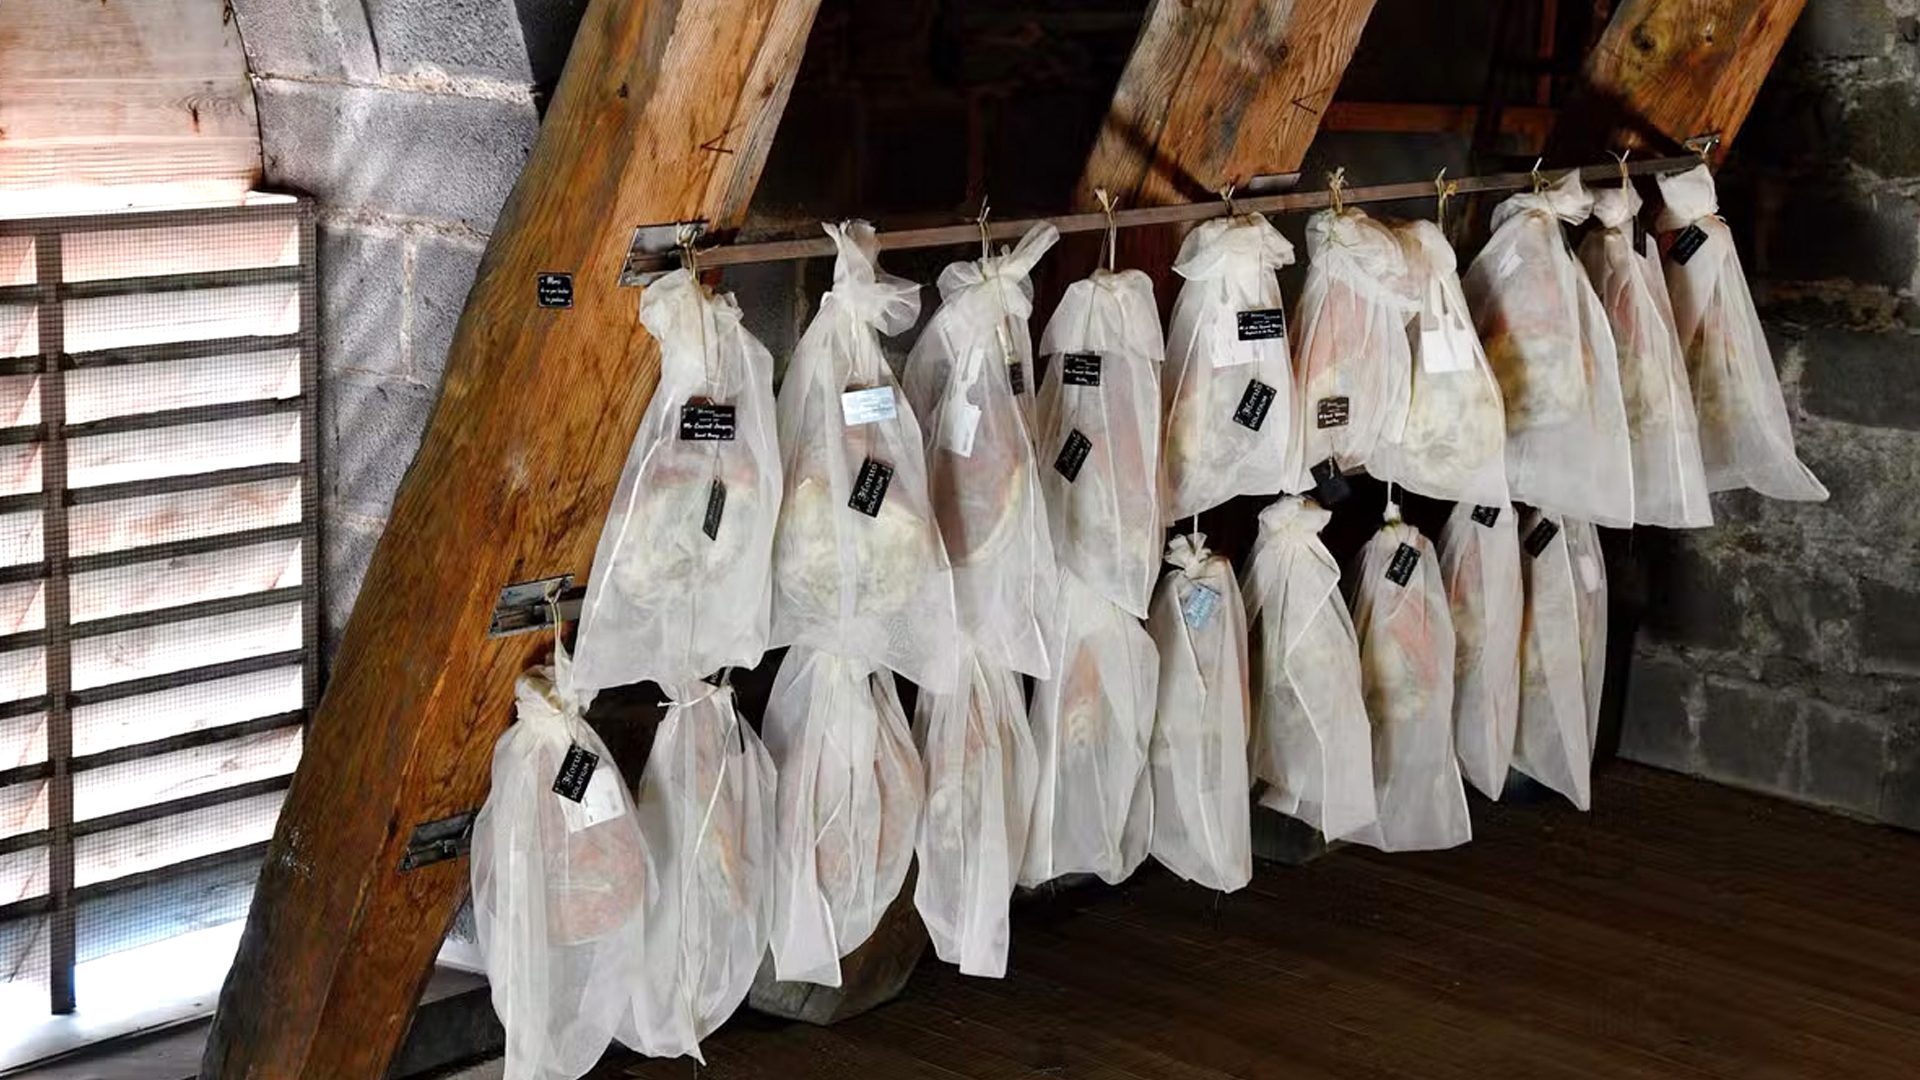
(1779, 650)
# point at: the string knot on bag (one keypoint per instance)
(868, 294)
(1005, 274)
(1189, 552)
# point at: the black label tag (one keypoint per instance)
(1331, 412)
(1540, 537)
(1254, 404)
(1017, 375)
(1073, 455)
(1264, 324)
(870, 487)
(1405, 558)
(1687, 243)
(575, 770)
(716, 505)
(1080, 369)
(1486, 515)
(553, 289)
(702, 421)
(1329, 485)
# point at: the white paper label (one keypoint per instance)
(1446, 339)
(1589, 573)
(958, 423)
(1199, 606)
(1230, 351)
(602, 802)
(1508, 264)
(867, 406)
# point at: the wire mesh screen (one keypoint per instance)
(158, 614)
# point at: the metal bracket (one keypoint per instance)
(1702, 144)
(653, 241)
(1269, 184)
(524, 606)
(438, 841)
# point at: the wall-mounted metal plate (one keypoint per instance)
(1269, 184)
(526, 605)
(438, 841)
(650, 242)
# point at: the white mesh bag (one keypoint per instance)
(1352, 371)
(1104, 509)
(679, 587)
(848, 808)
(1546, 337)
(1092, 723)
(1312, 744)
(1590, 605)
(858, 564)
(1480, 561)
(1669, 485)
(1553, 745)
(1228, 390)
(981, 776)
(559, 885)
(1450, 440)
(1746, 439)
(706, 806)
(1406, 664)
(1198, 757)
(985, 487)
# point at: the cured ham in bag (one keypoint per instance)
(1746, 439)
(1553, 745)
(1102, 383)
(981, 776)
(1590, 605)
(1480, 562)
(706, 806)
(1092, 723)
(1406, 665)
(1198, 758)
(1669, 486)
(848, 808)
(560, 882)
(1353, 366)
(679, 587)
(1449, 442)
(1228, 389)
(1547, 339)
(858, 562)
(965, 378)
(1312, 743)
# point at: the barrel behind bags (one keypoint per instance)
(1480, 560)
(561, 880)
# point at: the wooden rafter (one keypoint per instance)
(665, 112)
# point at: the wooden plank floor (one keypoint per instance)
(1680, 930)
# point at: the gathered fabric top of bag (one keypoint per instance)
(672, 307)
(1295, 514)
(1566, 198)
(1221, 247)
(868, 294)
(1189, 552)
(1687, 197)
(1440, 258)
(545, 693)
(1365, 255)
(1006, 276)
(1616, 206)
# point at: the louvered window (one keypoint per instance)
(158, 614)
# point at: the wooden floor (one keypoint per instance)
(1680, 930)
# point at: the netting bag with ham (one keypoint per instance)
(1228, 390)
(680, 577)
(1480, 561)
(561, 879)
(965, 379)
(1746, 438)
(1406, 665)
(1312, 744)
(858, 563)
(1669, 485)
(706, 806)
(1449, 442)
(1547, 339)
(1092, 723)
(981, 775)
(848, 808)
(1590, 605)
(1352, 366)
(1099, 434)
(1553, 745)
(1198, 757)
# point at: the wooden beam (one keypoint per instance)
(665, 112)
(1665, 71)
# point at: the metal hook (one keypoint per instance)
(1107, 203)
(690, 259)
(986, 242)
(1703, 145)
(1336, 180)
(1621, 157)
(1539, 181)
(1226, 196)
(1443, 189)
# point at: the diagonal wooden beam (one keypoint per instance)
(665, 112)
(1664, 71)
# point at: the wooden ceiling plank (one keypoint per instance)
(664, 113)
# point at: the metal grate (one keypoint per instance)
(159, 540)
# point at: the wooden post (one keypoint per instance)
(665, 112)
